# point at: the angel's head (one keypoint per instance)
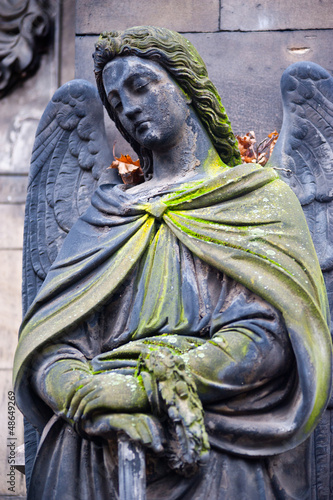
(181, 60)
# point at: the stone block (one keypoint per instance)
(188, 15)
(84, 64)
(6, 439)
(13, 189)
(67, 42)
(11, 227)
(10, 304)
(20, 113)
(265, 15)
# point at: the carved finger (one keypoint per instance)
(126, 423)
(73, 390)
(145, 436)
(81, 409)
(76, 400)
(157, 435)
(92, 405)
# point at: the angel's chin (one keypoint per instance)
(147, 138)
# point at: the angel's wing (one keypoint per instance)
(304, 152)
(305, 149)
(69, 159)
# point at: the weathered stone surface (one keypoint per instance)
(84, 64)
(253, 15)
(10, 304)
(6, 439)
(67, 45)
(246, 68)
(21, 110)
(188, 15)
(13, 189)
(11, 228)
(20, 114)
(25, 33)
(15, 497)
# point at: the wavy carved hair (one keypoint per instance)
(182, 61)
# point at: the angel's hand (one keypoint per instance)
(57, 383)
(107, 392)
(140, 427)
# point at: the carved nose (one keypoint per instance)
(132, 110)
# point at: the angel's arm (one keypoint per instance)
(249, 347)
(94, 404)
(63, 378)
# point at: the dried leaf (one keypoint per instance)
(253, 153)
(129, 170)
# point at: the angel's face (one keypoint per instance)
(149, 104)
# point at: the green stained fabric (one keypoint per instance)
(161, 277)
(244, 222)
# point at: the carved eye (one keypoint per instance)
(140, 84)
(116, 103)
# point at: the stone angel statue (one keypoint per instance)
(188, 312)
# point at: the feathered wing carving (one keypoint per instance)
(69, 157)
(69, 160)
(305, 149)
(304, 152)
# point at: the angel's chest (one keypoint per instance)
(170, 291)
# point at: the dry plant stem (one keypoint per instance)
(252, 153)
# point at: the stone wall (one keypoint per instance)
(246, 45)
(20, 112)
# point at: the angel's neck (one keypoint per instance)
(188, 157)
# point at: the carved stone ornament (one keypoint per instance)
(24, 26)
(176, 339)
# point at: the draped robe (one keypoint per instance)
(222, 269)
